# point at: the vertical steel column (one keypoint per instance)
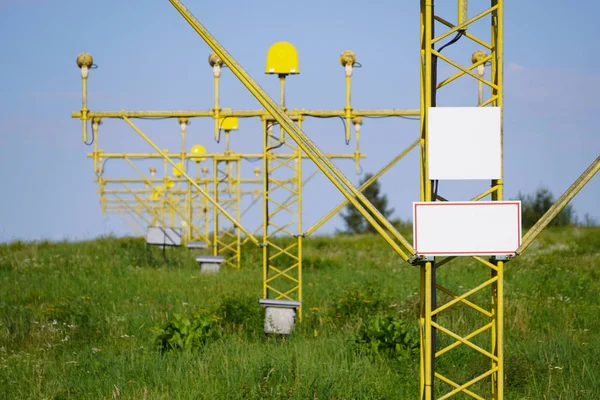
(282, 212)
(427, 268)
(497, 292)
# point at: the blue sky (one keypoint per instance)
(149, 58)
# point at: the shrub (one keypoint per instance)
(182, 334)
(239, 311)
(387, 336)
(357, 302)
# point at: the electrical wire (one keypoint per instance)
(434, 59)
(92, 140)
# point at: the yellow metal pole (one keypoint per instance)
(265, 208)
(299, 223)
(215, 212)
(497, 294)
(378, 221)
(238, 244)
(216, 108)
(186, 176)
(427, 286)
(348, 107)
(84, 62)
(95, 124)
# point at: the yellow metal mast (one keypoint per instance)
(431, 322)
(282, 206)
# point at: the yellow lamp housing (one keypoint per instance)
(157, 193)
(197, 152)
(282, 59)
(176, 171)
(228, 123)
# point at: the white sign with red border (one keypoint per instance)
(466, 228)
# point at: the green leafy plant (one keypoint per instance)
(240, 311)
(387, 336)
(180, 333)
(357, 302)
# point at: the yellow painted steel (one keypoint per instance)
(365, 185)
(295, 113)
(282, 159)
(191, 181)
(436, 383)
(366, 209)
(557, 207)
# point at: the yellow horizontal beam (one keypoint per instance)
(295, 113)
(219, 157)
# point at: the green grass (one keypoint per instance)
(76, 319)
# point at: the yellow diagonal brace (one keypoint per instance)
(466, 385)
(485, 262)
(456, 385)
(183, 217)
(342, 183)
(363, 187)
(463, 296)
(461, 73)
(468, 337)
(465, 33)
(190, 180)
(464, 301)
(561, 203)
(489, 101)
(463, 69)
(464, 25)
(464, 341)
(132, 209)
(486, 193)
(284, 273)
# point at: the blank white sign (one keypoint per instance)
(464, 143)
(467, 228)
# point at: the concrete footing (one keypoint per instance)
(209, 264)
(280, 315)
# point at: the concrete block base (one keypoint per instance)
(280, 320)
(209, 268)
(280, 315)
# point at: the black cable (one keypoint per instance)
(392, 116)
(434, 59)
(92, 141)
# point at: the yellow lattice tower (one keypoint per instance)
(282, 201)
(227, 192)
(432, 321)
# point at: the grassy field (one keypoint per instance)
(77, 319)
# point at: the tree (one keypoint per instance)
(354, 221)
(534, 206)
